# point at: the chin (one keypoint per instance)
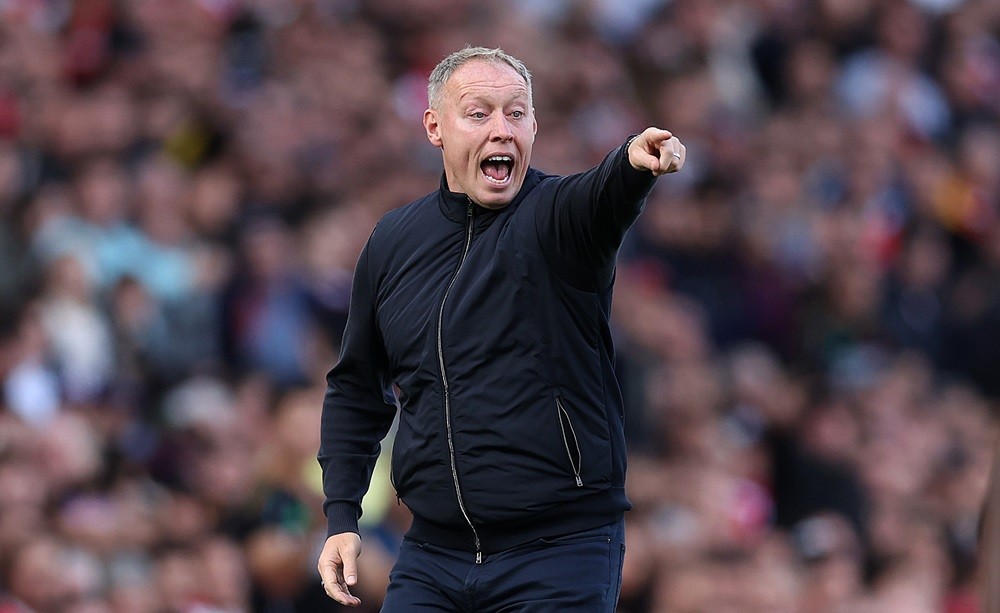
(495, 200)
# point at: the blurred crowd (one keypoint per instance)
(807, 317)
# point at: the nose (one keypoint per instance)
(500, 129)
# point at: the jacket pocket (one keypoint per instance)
(570, 441)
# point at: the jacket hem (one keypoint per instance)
(592, 511)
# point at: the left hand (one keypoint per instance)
(657, 151)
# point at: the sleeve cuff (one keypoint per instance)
(341, 517)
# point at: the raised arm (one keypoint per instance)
(583, 229)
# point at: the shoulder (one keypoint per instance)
(417, 213)
(538, 185)
(540, 178)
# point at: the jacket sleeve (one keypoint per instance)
(582, 227)
(357, 410)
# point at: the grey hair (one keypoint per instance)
(447, 67)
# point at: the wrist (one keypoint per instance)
(628, 151)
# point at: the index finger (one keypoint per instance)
(657, 137)
(339, 592)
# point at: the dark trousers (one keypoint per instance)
(579, 572)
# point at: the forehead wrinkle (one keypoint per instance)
(462, 86)
(473, 96)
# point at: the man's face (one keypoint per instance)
(485, 127)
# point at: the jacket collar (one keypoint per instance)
(455, 205)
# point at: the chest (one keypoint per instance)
(467, 291)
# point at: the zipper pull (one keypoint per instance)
(469, 209)
(479, 556)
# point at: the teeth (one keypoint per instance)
(499, 158)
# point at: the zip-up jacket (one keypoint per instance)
(493, 324)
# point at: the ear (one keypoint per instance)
(433, 127)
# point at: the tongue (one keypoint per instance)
(496, 170)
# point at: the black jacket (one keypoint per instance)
(494, 326)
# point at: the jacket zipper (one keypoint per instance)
(564, 421)
(444, 382)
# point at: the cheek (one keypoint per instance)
(528, 133)
(460, 142)
(458, 156)
(527, 140)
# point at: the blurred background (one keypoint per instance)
(807, 318)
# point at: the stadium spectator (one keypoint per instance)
(819, 286)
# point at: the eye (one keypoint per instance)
(479, 115)
(517, 114)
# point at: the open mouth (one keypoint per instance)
(498, 169)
